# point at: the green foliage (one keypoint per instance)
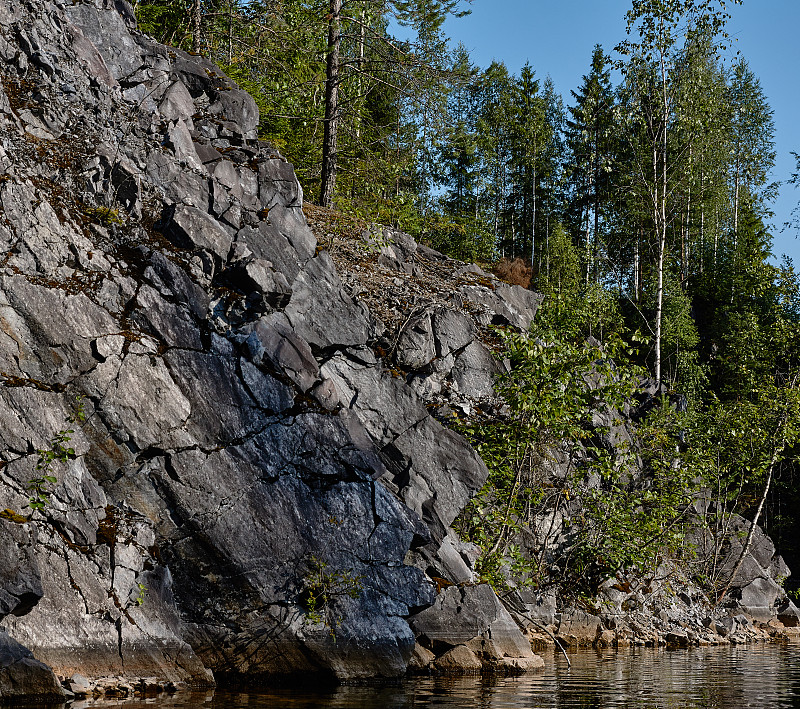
(589, 312)
(104, 215)
(166, 20)
(322, 585)
(749, 316)
(400, 211)
(735, 446)
(459, 238)
(623, 508)
(141, 593)
(752, 136)
(39, 486)
(632, 524)
(553, 391)
(560, 274)
(681, 367)
(59, 451)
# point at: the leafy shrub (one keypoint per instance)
(321, 586)
(563, 504)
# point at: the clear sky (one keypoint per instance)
(557, 37)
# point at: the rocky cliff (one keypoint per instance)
(222, 456)
(424, 300)
(239, 480)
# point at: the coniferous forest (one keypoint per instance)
(637, 203)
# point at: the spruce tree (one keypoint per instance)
(752, 141)
(531, 135)
(591, 143)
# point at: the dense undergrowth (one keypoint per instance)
(594, 476)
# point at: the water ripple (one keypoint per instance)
(767, 677)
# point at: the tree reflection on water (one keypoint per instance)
(704, 678)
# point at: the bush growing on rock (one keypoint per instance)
(578, 492)
(322, 585)
(548, 459)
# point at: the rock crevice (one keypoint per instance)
(249, 425)
(236, 427)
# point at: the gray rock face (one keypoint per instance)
(237, 447)
(757, 588)
(436, 472)
(504, 304)
(322, 313)
(22, 677)
(437, 341)
(242, 438)
(105, 28)
(471, 618)
(193, 229)
(443, 352)
(433, 470)
(20, 578)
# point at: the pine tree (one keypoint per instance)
(375, 60)
(552, 186)
(752, 141)
(426, 107)
(495, 134)
(531, 135)
(464, 234)
(749, 325)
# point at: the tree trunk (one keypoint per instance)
(513, 227)
(661, 216)
(533, 218)
(702, 238)
(230, 32)
(736, 220)
(780, 434)
(587, 235)
(328, 181)
(596, 201)
(362, 35)
(196, 21)
(660, 300)
(736, 183)
(686, 232)
(547, 247)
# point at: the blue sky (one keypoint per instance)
(557, 37)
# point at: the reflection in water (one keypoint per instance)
(767, 677)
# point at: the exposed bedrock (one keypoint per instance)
(250, 478)
(246, 478)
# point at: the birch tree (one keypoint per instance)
(660, 30)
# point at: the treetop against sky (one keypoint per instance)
(558, 38)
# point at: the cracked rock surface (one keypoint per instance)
(435, 313)
(212, 398)
(239, 422)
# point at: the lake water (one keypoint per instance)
(764, 676)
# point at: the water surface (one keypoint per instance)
(764, 676)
